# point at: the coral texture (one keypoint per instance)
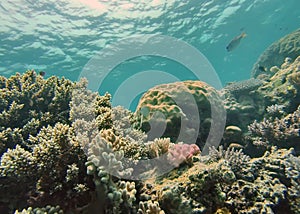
(29, 102)
(84, 160)
(274, 55)
(176, 110)
(51, 171)
(229, 180)
(283, 87)
(283, 132)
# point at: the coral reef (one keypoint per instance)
(283, 87)
(274, 55)
(229, 180)
(29, 102)
(279, 93)
(78, 154)
(51, 171)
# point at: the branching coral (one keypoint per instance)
(269, 190)
(51, 170)
(275, 110)
(150, 207)
(29, 102)
(237, 161)
(48, 209)
(283, 133)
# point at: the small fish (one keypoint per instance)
(42, 73)
(144, 111)
(235, 42)
(262, 68)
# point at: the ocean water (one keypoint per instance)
(61, 37)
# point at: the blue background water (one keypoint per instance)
(60, 37)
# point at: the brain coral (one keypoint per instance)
(183, 111)
(274, 55)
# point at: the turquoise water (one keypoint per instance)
(60, 37)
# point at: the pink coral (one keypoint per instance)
(179, 153)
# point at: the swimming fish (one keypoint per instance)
(262, 68)
(235, 42)
(42, 73)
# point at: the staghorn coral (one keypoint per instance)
(275, 110)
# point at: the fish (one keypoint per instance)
(42, 73)
(235, 42)
(262, 68)
(144, 111)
